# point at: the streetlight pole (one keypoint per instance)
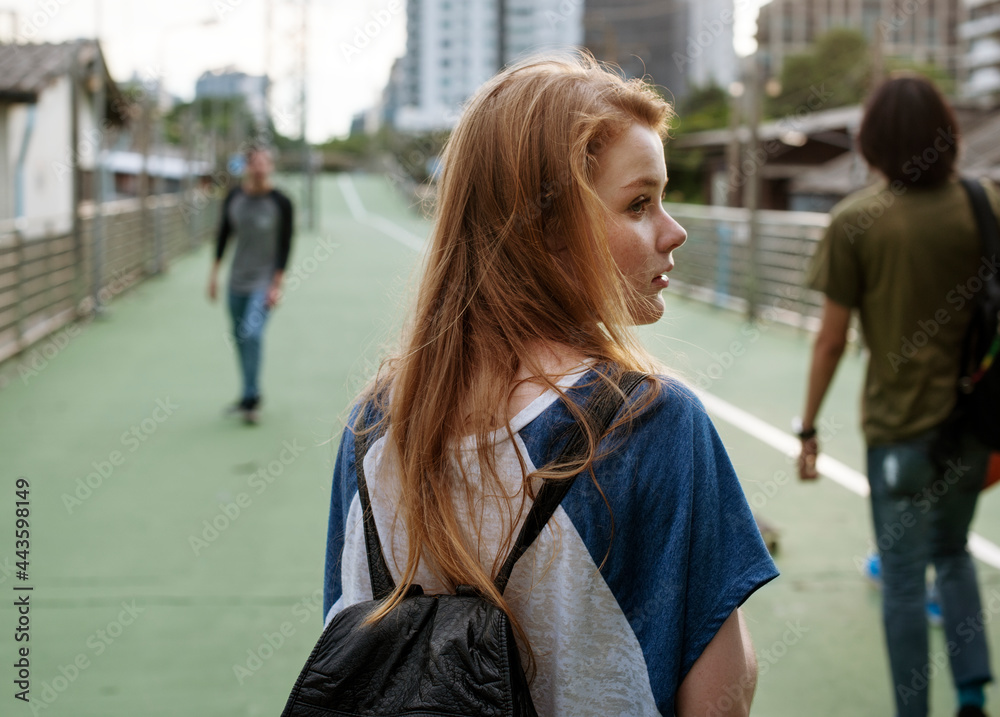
(159, 258)
(307, 166)
(100, 117)
(753, 188)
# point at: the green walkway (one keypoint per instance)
(176, 556)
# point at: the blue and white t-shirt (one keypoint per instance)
(683, 554)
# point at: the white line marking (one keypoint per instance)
(983, 549)
(386, 226)
(351, 196)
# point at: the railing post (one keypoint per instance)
(753, 192)
(19, 288)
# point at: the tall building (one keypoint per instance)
(925, 31)
(708, 49)
(453, 46)
(641, 36)
(981, 33)
(228, 83)
(680, 44)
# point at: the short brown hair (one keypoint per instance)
(909, 131)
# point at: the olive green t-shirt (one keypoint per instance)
(910, 260)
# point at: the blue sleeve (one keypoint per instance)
(727, 558)
(676, 540)
(345, 486)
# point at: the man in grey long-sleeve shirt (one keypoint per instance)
(262, 219)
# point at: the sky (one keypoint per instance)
(351, 45)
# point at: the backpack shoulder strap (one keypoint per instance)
(601, 408)
(378, 570)
(986, 219)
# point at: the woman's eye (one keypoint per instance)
(639, 206)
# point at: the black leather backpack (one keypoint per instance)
(434, 655)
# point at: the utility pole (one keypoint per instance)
(753, 187)
(736, 92)
(879, 37)
(501, 33)
(307, 166)
(100, 115)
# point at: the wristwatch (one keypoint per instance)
(802, 433)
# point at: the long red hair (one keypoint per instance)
(518, 255)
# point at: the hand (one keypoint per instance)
(807, 459)
(273, 296)
(213, 288)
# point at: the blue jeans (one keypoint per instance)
(922, 515)
(249, 316)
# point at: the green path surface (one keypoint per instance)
(130, 614)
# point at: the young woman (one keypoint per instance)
(550, 242)
(896, 252)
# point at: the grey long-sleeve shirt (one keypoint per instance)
(263, 226)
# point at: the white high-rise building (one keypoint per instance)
(710, 43)
(981, 33)
(452, 47)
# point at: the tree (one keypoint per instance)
(704, 108)
(835, 73)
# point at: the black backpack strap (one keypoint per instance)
(602, 407)
(974, 362)
(986, 219)
(378, 570)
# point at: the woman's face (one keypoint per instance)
(631, 178)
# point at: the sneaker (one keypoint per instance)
(236, 409)
(251, 411)
(971, 711)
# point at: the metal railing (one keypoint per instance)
(718, 265)
(48, 278)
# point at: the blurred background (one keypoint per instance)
(175, 557)
(146, 108)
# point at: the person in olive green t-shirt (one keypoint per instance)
(907, 256)
(910, 274)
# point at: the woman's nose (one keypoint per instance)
(673, 234)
